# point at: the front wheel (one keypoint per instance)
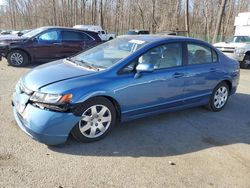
(18, 58)
(219, 97)
(246, 62)
(98, 116)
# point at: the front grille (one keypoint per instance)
(226, 49)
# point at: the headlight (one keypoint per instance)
(240, 50)
(50, 98)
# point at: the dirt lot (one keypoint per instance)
(208, 149)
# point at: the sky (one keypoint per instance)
(2, 2)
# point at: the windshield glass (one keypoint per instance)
(239, 39)
(109, 53)
(33, 33)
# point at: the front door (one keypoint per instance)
(48, 46)
(157, 90)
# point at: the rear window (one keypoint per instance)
(199, 54)
(75, 36)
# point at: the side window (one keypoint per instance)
(130, 68)
(198, 54)
(84, 36)
(74, 36)
(165, 56)
(49, 36)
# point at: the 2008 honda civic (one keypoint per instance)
(123, 79)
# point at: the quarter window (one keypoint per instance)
(198, 54)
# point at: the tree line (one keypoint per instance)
(202, 19)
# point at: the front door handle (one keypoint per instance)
(213, 70)
(178, 75)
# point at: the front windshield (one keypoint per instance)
(109, 53)
(33, 32)
(239, 39)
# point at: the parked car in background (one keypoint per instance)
(167, 33)
(123, 79)
(20, 33)
(6, 32)
(102, 33)
(238, 46)
(46, 44)
(138, 32)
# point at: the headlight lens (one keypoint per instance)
(51, 98)
(240, 50)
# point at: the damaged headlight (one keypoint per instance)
(51, 98)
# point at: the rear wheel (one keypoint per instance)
(246, 62)
(98, 117)
(219, 97)
(18, 58)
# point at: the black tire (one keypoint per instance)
(82, 108)
(244, 64)
(111, 38)
(211, 105)
(24, 58)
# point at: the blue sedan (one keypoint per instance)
(123, 79)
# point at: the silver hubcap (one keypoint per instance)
(95, 121)
(220, 97)
(16, 58)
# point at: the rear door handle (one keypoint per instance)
(57, 43)
(178, 75)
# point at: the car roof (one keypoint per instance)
(68, 28)
(137, 30)
(155, 37)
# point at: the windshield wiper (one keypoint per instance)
(81, 62)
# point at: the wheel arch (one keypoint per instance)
(110, 98)
(229, 83)
(116, 105)
(20, 49)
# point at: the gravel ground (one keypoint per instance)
(206, 149)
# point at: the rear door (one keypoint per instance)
(75, 41)
(202, 72)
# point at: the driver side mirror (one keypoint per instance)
(143, 67)
(35, 39)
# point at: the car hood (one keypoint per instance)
(11, 38)
(51, 73)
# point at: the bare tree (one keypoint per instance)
(219, 19)
(195, 16)
(187, 17)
